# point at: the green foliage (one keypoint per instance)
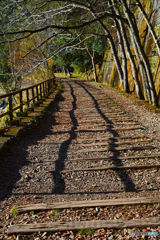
(31, 213)
(4, 120)
(13, 210)
(4, 68)
(54, 213)
(60, 86)
(125, 207)
(87, 232)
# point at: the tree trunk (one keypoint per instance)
(94, 69)
(155, 38)
(124, 58)
(112, 45)
(86, 72)
(93, 64)
(145, 84)
(131, 58)
(134, 30)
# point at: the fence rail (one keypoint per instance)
(35, 92)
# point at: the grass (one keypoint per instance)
(101, 84)
(74, 75)
(87, 232)
(125, 207)
(31, 213)
(60, 86)
(103, 166)
(13, 210)
(54, 213)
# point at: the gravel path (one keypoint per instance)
(32, 171)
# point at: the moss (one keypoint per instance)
(13, 132)
(87, 232)
(54, 213)
(13, 210)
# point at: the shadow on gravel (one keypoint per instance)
(128, 184)
(17, 156)
(94, 193)
(18, 153)
(59, 163)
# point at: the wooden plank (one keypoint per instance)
(98, 115)
(101, 120)
(91, 109)
(114, 125)
(77, 225)
(116, 117)
(120, 137)
(116, 149)
(90, 203)
(102, 123)
(102, 143)
(113, 168)
(115, 158)
(113, 143)
(4, 140)
(108, 129)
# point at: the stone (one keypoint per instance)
(110, 237)
(44, 234)
(71, 236)
(19, 237)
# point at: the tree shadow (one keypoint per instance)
(123, 175)
(16, 156)
(59, 184)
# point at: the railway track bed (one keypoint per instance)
(89, 170)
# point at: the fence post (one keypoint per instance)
(37, 93)
(48, 86)
(43, 90)
(33, 95)
(27, 98)
(21, 102)
(40, 90)
(10, 108)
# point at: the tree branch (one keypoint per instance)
(67, 28)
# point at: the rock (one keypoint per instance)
(19, 237)
(117, 216)
(44, 234)
(71, 236)
(7, 217)
(153, 213)
(110, 237)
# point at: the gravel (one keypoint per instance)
(31, 171)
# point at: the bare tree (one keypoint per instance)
(52, 21)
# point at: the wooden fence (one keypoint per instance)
(32, 93)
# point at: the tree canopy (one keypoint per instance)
(34, 32)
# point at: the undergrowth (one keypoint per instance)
(13, 210)
(87, 232)
(54, 213)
